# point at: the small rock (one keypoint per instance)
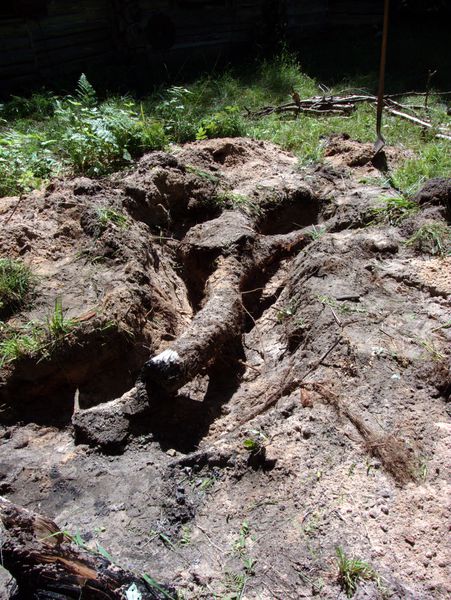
(385, 509)
(171, 452)
(373, 513)
(384, 527)
(410, 540)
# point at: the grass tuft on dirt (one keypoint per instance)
(49, 135)
(39, 339)
(16, 283)
(351, 571)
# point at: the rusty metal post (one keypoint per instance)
(380, 142)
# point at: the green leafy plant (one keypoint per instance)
(185, 538)
(255, 443)
(226, 123)
(18, 344)
(433, 238)
(239, 545)
(234, 585)
(16, 283)
(203, 174)
(351, 571)
(179, 114)
(85, 92)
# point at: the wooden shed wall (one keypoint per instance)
(75, 36)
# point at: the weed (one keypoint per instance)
(351, 571)
(232, 199)
(185, 538)
(18, 344)
(423, 468)
(47, 135)
(226, 123)
(432, 159)
(239, 545)
(203, 174)
(16, 282)
(343, 307)
(34, 338)
(79, 135)
(234, 585)
(57, 324)
(316, 232)
(153, 585)
(286, 312)
(108, 215)
(433, 238)
(206, 484)
(229, 199)
(255, 443)
(394, 210)
(351, 469)
(430, 348)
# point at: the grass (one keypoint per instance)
(16, 283)
(108, 215)
(49, 135)
(351, 571)
(433, 238)
(34, 338)
(393, 210)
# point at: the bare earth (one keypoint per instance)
(336, 362)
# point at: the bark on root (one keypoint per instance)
(47, 564)
(222, 317)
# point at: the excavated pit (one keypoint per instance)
(274, 361)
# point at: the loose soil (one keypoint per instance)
(274, 308)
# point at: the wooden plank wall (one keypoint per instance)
(72, 37)
(77, 35)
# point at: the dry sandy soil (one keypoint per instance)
(300, 403)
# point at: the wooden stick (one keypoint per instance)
(421, 122)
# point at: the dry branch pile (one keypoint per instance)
(345, 105)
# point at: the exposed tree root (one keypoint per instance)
(395, 456)
(46, 563)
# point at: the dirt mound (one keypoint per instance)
(254, 375)
(342, 151)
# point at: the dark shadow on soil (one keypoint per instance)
(42, 391)
(181, 422)
(292, 212)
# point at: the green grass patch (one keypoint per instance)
(351, 571)
(393, 210)
(109, 215)
(16, 283)
(40, 339)
(48, 135)
(432, 238)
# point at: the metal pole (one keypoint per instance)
(380, 142)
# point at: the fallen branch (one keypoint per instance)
(46, 563)
(345, 105)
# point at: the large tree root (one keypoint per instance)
(222, 317)
(47, 564)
